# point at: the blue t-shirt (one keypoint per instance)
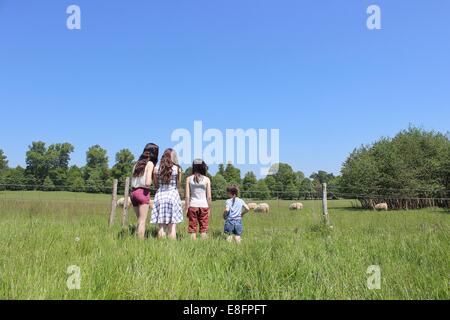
(234, 210)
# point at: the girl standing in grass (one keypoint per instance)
(167, 211)
(235, 209)
(140, 185)
(198, 199)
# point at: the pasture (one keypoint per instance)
(284, 254)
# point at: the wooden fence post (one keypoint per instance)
(112, 215)
(125, 205)
(325, 203)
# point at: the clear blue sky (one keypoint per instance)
(140, 69)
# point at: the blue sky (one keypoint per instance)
(137, 70)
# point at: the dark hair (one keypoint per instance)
(234, 191)
(167, 163)
(199, 168)
(150, 153)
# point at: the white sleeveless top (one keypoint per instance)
(139, 182)
(198, 192)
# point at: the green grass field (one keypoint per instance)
(284, 255)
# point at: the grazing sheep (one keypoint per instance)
(296, 206)
(262, 208)
(252, 206)
(121, 202)
(381, 207)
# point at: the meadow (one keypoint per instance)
(284, 254)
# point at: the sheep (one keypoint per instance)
(262, 208)
(252, 205)
(121, 202)
(296, 206)
(381, 207)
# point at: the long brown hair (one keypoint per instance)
(150, 153)
(168, 160)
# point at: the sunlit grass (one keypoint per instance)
(284, 254)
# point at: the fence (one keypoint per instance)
(408, 198)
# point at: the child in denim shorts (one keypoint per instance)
(235, 209)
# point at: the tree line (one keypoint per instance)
(47, 168)
(411, 170)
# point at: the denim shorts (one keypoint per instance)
(233, 227)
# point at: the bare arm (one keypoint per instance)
(187, 194)
(149, 174)
(245, 209)
(209, 193)
(226, 211)
(155, 179)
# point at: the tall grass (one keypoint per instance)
(284, 255)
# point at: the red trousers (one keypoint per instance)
(198, 217)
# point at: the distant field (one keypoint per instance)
(284, 255)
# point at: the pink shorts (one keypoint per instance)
(140, 196)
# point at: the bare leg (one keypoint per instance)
(142, 219)
(237, 239)
(230, 238)
(161, 232)
(172, 231)
(204, 236)
(193, 236)
(136, 211)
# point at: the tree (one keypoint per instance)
(281, 178)
(123, 166)
(405, 171)
(306, 189)
(3, 161)
(322, 176)
(96, 171)
(248, 184)
(37, 164)
(75, 180)
(96, 157)
(291, 192)
(13, 179)
(218, 186)
(261, 190)
(48, 184)
(232, 174)
(59, 155)
(221, 170)
(52, 162)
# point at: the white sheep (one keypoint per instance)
(381, 207)
(296, 206)
(252, 205)
(262, 208)
(121, 202)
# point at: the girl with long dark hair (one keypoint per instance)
(140, 185)
(167, 210)
(198, 199)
